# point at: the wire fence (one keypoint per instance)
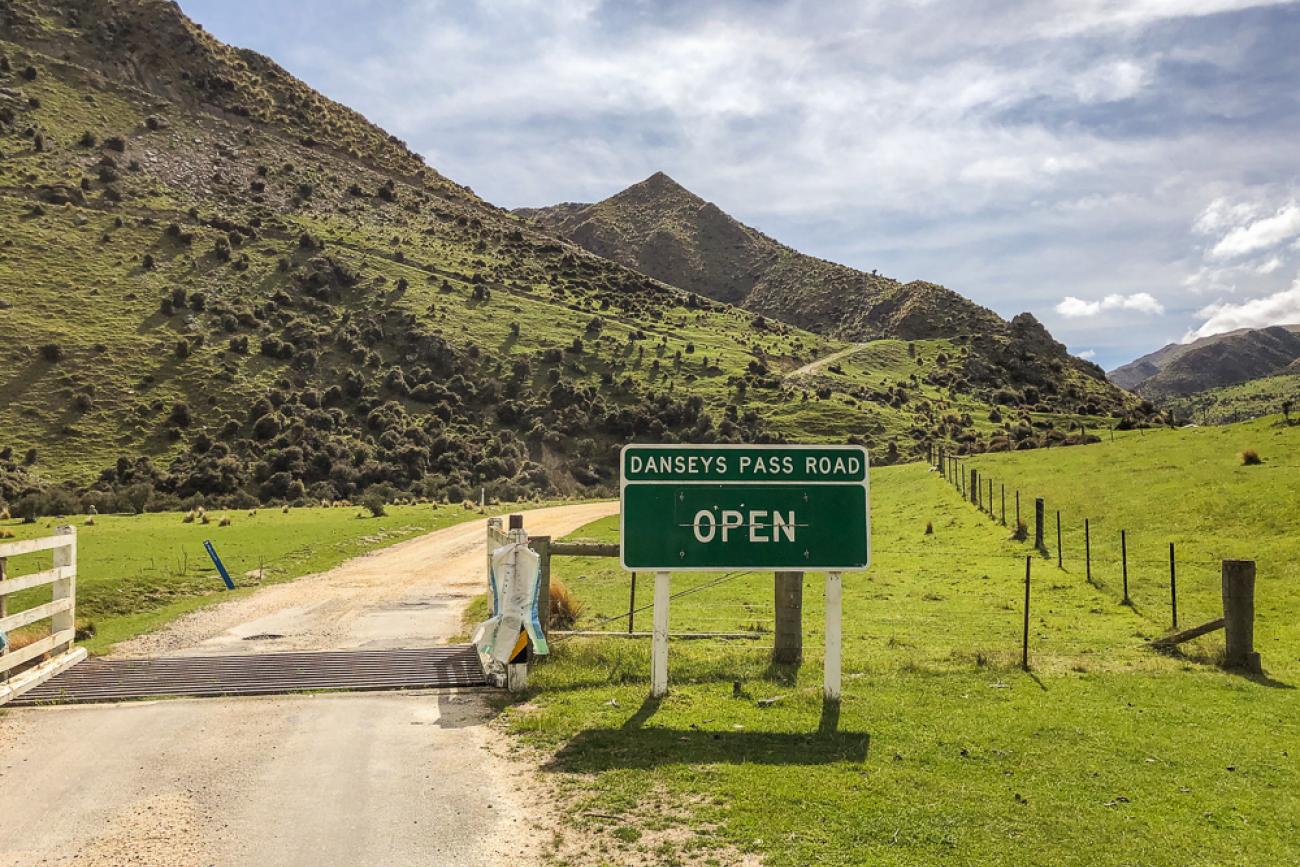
(1027, 607)
(1164, 585)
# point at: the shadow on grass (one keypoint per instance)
(1215, 660)
(636, 745)
(784, 673)
(1261, 679)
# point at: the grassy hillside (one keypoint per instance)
(942, 748)
(1259, 397)
(217, 285)
(1194, 491)
(662, 229)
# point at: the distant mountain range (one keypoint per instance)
(665, 231)
(662, 229)
(1213, 362)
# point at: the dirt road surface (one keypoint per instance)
(392, 779)
(813, 367)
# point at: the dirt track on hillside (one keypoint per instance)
(813, 367)
(392, 779)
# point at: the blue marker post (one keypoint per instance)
(216, 561)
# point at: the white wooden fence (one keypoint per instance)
(15, 679)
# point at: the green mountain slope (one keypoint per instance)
(216, 283)
(662, 229)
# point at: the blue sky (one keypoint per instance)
(1127, 171)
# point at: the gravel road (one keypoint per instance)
(392, 779)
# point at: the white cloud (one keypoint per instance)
(1088, 354)
(1259, 235)
(1280, 308)
(1121, 79)
(1222, 214)
(1270, 266)
(1141, 302)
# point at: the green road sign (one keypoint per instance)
(744, 507)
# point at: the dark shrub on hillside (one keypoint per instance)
(374, 503)
(1251, 458)
(52, 352)
(267, 426)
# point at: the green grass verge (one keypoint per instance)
(135, 573)
(942, 748)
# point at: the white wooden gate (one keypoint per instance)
(17, 674)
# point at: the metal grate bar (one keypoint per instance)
(102, 680)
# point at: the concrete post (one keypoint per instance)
(493, 538)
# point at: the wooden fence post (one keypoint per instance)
(1038, 524)
(1024, 646)
(4, 611)
(1123, 557)
(990, 498)
(631, 606)
(65, 588)
(1017, 511)
(788, 644)
(1239, 615)
(1173, 585)
(1004, 505)
(975, 488)
(1087, 548)
(542, 545)
(1059, 554)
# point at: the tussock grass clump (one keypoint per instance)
(1022, 532)
(566, 610)
(1251, 458)
(929, 528)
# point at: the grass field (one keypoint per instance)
(942, 749)
(136, 572)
